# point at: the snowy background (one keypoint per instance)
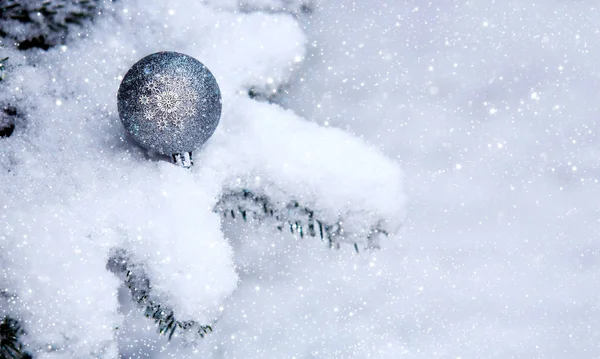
(488, 107)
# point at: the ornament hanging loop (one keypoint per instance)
(183, 159)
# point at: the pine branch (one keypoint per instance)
(10, 347)
(2, 68)
(43, 24)
(294, 8)
(140, 288)
(8, 113)
(293, 216)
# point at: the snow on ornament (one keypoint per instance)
(170, 103)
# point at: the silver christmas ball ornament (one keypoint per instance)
(170, 103)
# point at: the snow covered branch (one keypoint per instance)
(290, 216)
(138, 283)
(77, 193)
(10, 346)
(42, 24)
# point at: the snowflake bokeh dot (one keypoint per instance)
(169, 102)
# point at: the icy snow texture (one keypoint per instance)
(74, 185)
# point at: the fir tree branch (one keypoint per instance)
(47, 22)
(140, 288)
(10, 347)
(7, 122)
(293, 216)
(297, 218)
(2, 68)
(295, 8)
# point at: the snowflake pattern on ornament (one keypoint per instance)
(149, 115)
(144, 100)
(168, 100)
(178, 122)
(189, 111)
(161, 124)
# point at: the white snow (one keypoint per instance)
(498, 256)
(499, 253)
(490, 107)
(74, 186)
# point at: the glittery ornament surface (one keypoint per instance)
(169, 102)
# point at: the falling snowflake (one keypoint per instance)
(169, 100)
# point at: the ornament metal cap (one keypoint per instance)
(170, 103)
